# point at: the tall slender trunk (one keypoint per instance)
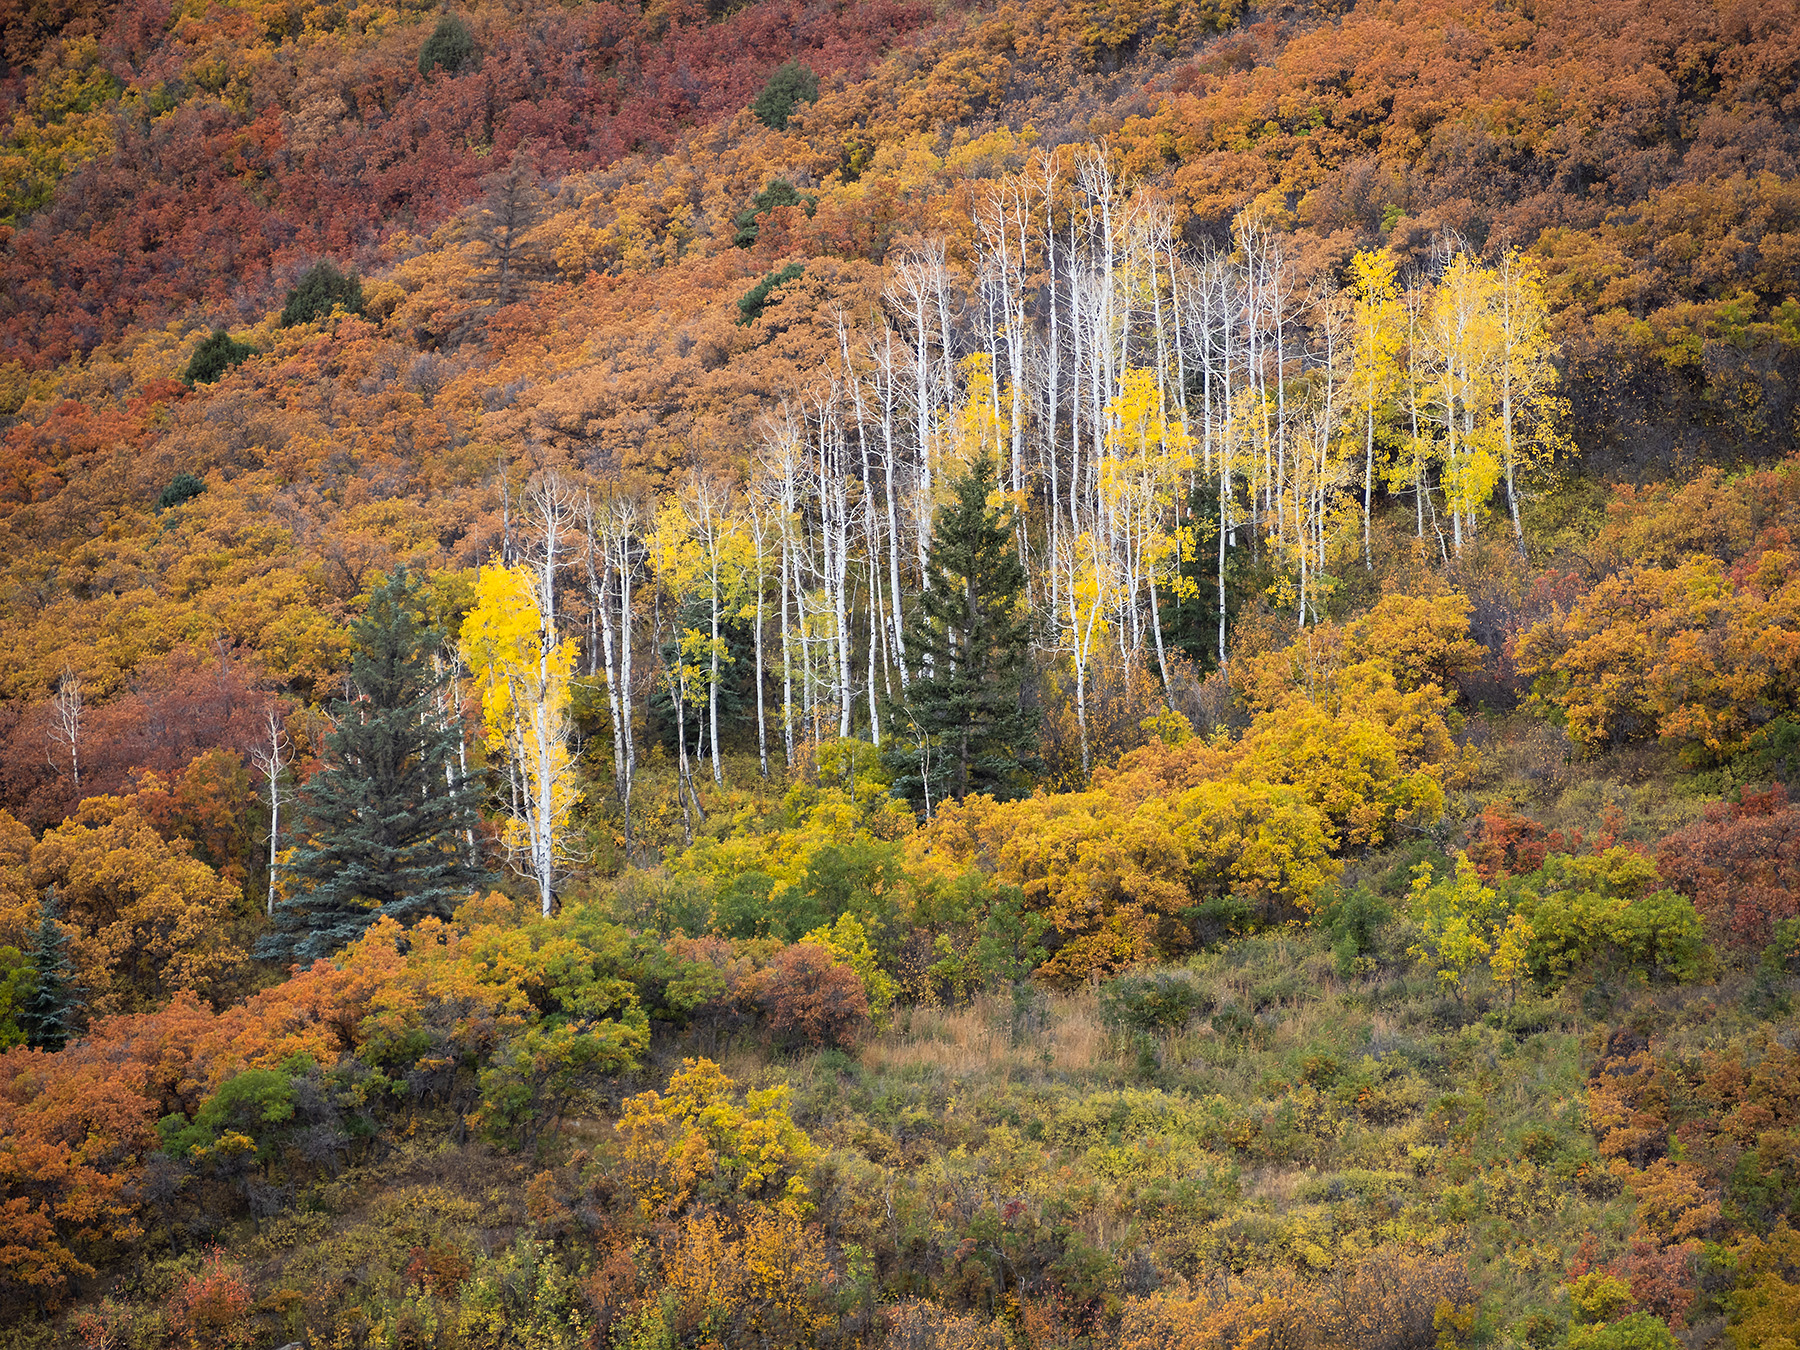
(787, 651)
(762, 717)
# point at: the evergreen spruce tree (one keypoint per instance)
(962, 726)
(786, 90)
(387, 820)
(320, 291)
(50, 1015)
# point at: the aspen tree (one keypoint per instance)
(1377, 345)
(677, 561)
(707, 503)
(780, 460)
(1526, 372)
(271, 759)
(523, 673)
(919, 292)
(610, 540)
(66, 710)
(760, 526)
(886, 385)
(1087, 596)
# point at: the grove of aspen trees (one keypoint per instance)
(976, 675)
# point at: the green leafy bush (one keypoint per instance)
(751, 306)
(1353, 922)
(213, 357)
(320, 291)
(790, 86)
(1771, 990)
(17, 980)
(1219, 918)
(450, 48)
(1640, 1331)
(248, 1110)
(1607, 910)
(183, 487)
(1161, 1002)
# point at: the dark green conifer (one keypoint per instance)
(215, 356)
(962, 725)
(183, 487)
(387, 821)
(450, 48)
(320, 291)
(51, 1015)
(793, 84)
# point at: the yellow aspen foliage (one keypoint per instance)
(1464, 342)
(1525, 377)
(1141, 480)
(980, 425)
(523, 674)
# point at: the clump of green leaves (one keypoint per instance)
(17, 980)
(216, 355)
(183, 487)
(790, 86)
(247, 1112)
(779, 192)
(322, 290)
(1456, 919)
(1353, 921)
(1608, 910)
(1776, 972)
(1157, 1003)
(754, 300)
(450, 48)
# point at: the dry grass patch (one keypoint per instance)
(976, 1041)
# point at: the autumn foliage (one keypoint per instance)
(1393, 936)
(1741, 865)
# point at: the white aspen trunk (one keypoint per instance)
(597, 601)
(272, 758)
(1226, 298)
(759, 536)
(462, 739)
(65, 722)
(886, 374)
(1074, 384)
(712, 507)
(874, 640)
(1162, 659)
(1278, 306)
(624, 522)
(274, 833)
(1369, 482)
(1412, 404)
(840, 611)
(684, 784)
(787, 655)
